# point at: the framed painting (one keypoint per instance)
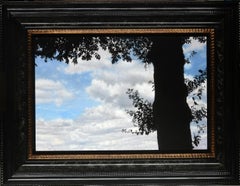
(108, 95)
(108, 92)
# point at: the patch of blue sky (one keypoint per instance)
(68, 110)
(197, 62)
(53, 69)
(46, 69)
(74, 83)
(49, 111)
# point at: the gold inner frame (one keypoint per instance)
(122, 155)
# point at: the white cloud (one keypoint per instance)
(100, 128)
(50, 91)
(203, 143)
(89, 66)
(194, 46)
(187, 66)
(201, 103)
(109, 85)
(189, 76)
(203, 100)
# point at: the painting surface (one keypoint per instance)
(93, 104)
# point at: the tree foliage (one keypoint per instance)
(66, 48)
(86, 47)
(142, 115)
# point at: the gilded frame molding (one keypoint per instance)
(210, 32)
(21, 165)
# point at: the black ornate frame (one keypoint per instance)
(18, 17)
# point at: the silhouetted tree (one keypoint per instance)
(171, 113)
(142, 115)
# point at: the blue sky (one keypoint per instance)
(75, 104)
(82, 107)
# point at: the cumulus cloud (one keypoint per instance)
(88, 66)
(109, 85)
(193, 46)
(111, 81)
(91, 131)
(50, 91)
(100, 127)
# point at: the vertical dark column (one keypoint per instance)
(171, 113)
(1, 94)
